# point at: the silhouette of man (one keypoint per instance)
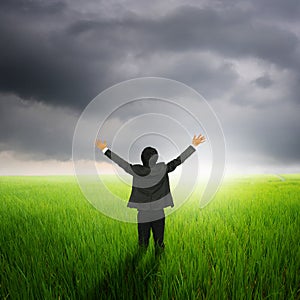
(150, 192)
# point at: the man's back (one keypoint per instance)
(150, 184)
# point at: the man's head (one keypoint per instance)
(149, 156)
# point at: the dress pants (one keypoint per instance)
(151, 219)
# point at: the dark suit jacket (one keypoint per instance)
(150, 185)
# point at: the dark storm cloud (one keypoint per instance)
(35, 131)
(264, 81)
(32, 7)
(71, 60)
(285, 10)
(58, 55)
(41, 61)
(235, 34)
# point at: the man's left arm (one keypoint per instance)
(173, 164)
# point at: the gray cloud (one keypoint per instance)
(32, 7)
(263, 136)
(285, 10)
(264, 81)
(232, 33)
(58, 55)
(72, 59)
(36, 131)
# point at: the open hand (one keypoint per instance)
(197, 140)
(101, 145)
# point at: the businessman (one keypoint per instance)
(150, 192)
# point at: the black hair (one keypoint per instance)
(147, 153)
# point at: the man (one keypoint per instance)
(151, 189)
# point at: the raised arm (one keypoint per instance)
(114, 157)
(173, 164)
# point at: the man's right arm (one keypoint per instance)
(115, 158)
(126, 166)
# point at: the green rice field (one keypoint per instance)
(244, 245)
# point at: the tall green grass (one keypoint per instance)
(243, 245)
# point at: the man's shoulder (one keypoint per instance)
(138, 166)
(142, 170)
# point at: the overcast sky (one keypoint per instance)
(242, 56)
